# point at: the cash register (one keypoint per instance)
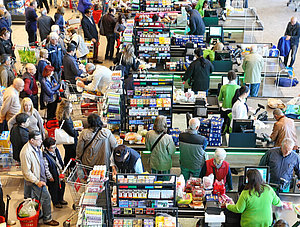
(243, 133)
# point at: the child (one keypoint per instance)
(19, 134)
(53, 167)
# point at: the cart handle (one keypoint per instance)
(62, 175)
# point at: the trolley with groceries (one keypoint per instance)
(85, 182)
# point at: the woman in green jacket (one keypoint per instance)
(255, 202)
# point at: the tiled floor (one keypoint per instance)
(275, 16)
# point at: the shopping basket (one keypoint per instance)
(30, 221)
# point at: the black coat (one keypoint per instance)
(71, 68)
(198, 75)
(89, 29)
(18, 137)
(294, 32)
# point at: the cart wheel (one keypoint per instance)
(67, 224)
(296, 10)
(287, 4)
(74, 207)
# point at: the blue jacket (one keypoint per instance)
(30, 18)
(197, 25)
(55, 56)
(4, 24)
(40, 68)
(294, 32)
(48, 89)
(59, 20)
(52, 165)
(83, 5)
(284, 46)
(71, 69)
(281, 167)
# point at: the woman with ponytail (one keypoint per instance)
(198, 73)
(239, 106)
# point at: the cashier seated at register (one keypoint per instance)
(126, 160)
(283, 161)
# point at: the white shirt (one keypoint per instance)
(101, 78)
(239, 110)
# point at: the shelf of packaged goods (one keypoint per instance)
(148, 199)
(155, 57)
(139, 116)
(146, 184)
(148, 107)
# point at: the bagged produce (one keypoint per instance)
(28, 209)
(208, 181)
(275, 103)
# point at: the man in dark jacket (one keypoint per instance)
(44, 24)
(109, 23)
(196, 25)
(90, 31)
(283, 162)
(192, 150)
(19, 134)
(30, 87)
(292, 33)
(55, 54)
(7, 75)
(53, 167)
(71, 67)
(126, 160)
(198, 72)
(31, 18)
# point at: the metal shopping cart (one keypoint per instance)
(296, 3)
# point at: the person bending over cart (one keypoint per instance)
(126, 160)
(53, 166)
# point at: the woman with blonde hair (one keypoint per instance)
(128, 59)
(161, 146)
(63, 115)
(35, 119)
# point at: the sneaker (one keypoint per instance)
(63, 202)
(58, 206)
(52, 223)
(11, 222)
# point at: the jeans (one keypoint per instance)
(27, 189)
(293, 52)
(254, 88)
(110, 46)
(45, 201)
(187, 173)
(31, 36)
(104, 7)
(162, 178)
(45, 2)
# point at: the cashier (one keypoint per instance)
(283, 161)
(126, 160)
(219, 168)
(284, 127)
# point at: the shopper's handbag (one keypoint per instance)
(120, 67)
(62, 137)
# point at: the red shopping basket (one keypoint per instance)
(50, 126)
(30, 221)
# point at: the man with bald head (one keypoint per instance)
(11, 102)
(30, 87)
(192, 154)
(252, 66)
(100, 77)
(283, 128)
(292, 33)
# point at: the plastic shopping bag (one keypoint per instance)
(28, 209)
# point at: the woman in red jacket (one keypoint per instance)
(219, 168)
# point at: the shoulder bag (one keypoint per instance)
(62, 137)
(156, 142)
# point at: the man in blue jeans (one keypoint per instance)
(33, 169)
(292, 33)
(253, 65)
